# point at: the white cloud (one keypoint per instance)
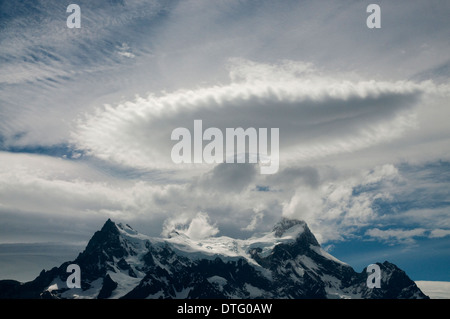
(257, 217)
(45, 185)
(198, 227)
(325, 198)
(396, 235)
(125, 51)
(348, 113)
(319, 115)
(333, 210)
(439, 233)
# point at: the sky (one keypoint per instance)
(86, 116)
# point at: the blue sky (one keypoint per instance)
(86, 117)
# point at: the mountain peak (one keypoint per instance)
(107, 239)
(288, 262)
(297, 229)
(286, 224)
(108, 226)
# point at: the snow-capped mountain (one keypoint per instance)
(288, 262)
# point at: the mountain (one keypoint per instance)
(287, 262)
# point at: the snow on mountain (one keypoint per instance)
(231, 248)
(287, 262)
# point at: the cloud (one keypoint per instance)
(318, 115)
(336, 204)
(124, 50)
(257, 217)
(46, 185)
(340, 204)
(349, 115)
(439, 233)
(227, 177)
(51, 74)
(50, 78)
(291, 176)
(396, 235)
(428, 216)
(199, 226)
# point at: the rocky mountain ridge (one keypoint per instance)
(286, 263)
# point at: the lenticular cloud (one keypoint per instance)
(318, 114)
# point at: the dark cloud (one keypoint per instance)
(229, 178)
(291, 177)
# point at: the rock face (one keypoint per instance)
(288, 262)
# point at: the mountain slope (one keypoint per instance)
(288, 262)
